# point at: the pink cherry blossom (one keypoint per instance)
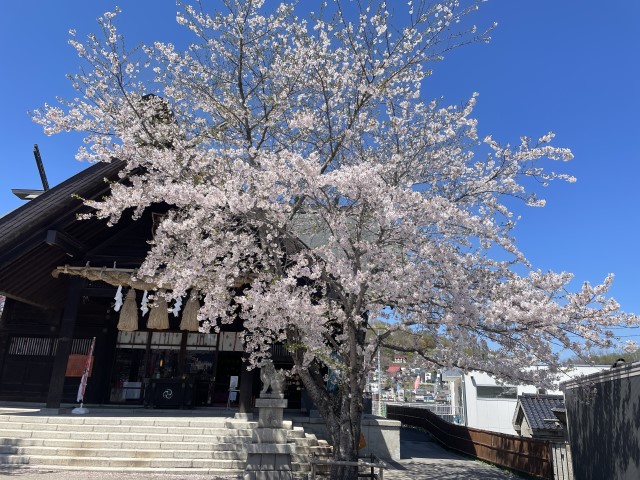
(303, 157)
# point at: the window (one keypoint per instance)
(490, 391)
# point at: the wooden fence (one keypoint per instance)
(562, 467)
(526, 455)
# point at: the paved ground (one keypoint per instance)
(422, 459)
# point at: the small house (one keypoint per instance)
(540, 416)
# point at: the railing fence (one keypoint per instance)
(533, 457)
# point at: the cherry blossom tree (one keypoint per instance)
(302, 156)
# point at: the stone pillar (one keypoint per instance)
(269, 455)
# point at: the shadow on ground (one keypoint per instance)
(422, 458)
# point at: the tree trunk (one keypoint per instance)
(346, 449)
(341, 408)
(342, 413)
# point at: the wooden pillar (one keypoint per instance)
(108, 340)
(4, 335)
(182, 354)
(246, 388)
(65, 339)
(4, 350)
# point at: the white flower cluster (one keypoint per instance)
(315, 193)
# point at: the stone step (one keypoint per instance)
(124, 453)
(322, 451)
(211, 422)
(240, 424)
(310, 451)
(131, 428)
(146, 444)
(302, 442)
(296, 432)
(231, 443)
(300, 457)
(130, 437)
(123, 462)
(313, 440)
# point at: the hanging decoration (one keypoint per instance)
(176, 307)
(159, 316)
(189, 320)
(128, 277)
(112, 276)
(144, 305)
(128, 321)
(118, 299)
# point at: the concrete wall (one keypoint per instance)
(494, 414)
(382, 435)
(603, 416)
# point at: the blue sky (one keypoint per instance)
(564, 66)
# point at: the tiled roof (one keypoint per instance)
(538, 409)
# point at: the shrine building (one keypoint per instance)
(64, 279)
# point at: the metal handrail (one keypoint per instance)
(374, 463)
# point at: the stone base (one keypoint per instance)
(271, 395)
(269, 435)
(268, 461)
(268, 466)
(271, 402)
(271, 449)
(269, 456)
(270, 412)
(268, 475)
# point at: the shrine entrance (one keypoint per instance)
(207, 362)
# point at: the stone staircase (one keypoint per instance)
(143, 444)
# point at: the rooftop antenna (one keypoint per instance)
(43, 175)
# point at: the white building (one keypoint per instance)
(487, 405)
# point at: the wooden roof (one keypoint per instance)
(45, 233)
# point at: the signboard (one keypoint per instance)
(233, 390)
(233, 382)
(76, 364)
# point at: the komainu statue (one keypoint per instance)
(271, 378)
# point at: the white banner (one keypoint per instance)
(85, 374)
